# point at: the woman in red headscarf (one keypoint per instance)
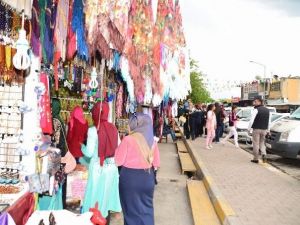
(77, 132)
(103, 178)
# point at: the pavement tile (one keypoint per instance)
(258, 194)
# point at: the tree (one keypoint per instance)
(199, 93)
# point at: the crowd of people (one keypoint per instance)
(200, 119)
(207, 120)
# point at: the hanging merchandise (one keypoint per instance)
(78, 28)
(127, 78)
(97, 21)
(21, 60)
(60, 36)
(119, 101)
(71, 36)
(20, 6)
(93, 82)
(119, 21)
(46, 117)
(35, 35)
(139, 45)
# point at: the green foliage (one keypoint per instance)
(199, 92)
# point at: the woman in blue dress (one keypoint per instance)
(103, 177)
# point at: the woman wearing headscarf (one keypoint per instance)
(77, 132)
(103, 178)
(138, 157)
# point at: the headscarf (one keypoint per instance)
(107, 132)
(77, 132)
(77, 114)
(142, 123)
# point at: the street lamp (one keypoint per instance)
(265, 70)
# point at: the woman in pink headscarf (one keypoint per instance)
(77, 132)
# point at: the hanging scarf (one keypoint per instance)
(107, 132)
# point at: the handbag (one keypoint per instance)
(69, 160)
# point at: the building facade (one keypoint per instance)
(284, 94)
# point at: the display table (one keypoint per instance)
(62, 217)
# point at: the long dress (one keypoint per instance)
(103, 182)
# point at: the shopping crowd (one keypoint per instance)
(209, 120)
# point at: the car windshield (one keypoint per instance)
(244, 113)
(296, 114)
(275, 117)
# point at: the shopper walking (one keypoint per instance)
(192, 121)
(186, 125)
(138, 157)
(232, 127)
(199, 117)
(211, 125)
(103, 179)
(220, 121)
(260, 124)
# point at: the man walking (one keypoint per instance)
(260, 123)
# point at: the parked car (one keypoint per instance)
(243, 125)
(244, 113)
(284, 138)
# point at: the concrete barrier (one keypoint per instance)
(224, 211)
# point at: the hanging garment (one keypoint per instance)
(77, 132)
(118, 25)
(35, 34)
(78, 28)
(61, 28)
(119, 101)
(46, 117)
(50, 19)
(72, 43)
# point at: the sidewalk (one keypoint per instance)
(258, 193)
(171, 202)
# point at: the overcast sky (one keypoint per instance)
(224, 35)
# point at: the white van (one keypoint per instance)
(284, 139)
(244, 113)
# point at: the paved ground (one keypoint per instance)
(288, 166)
(259, 194)
(171, 202)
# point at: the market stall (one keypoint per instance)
(57, 60)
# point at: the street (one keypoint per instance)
(288, 166)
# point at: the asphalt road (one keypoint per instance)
(288, 166)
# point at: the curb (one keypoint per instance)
(223, 210)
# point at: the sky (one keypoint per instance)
(223, 36)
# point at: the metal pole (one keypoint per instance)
(264, 83)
